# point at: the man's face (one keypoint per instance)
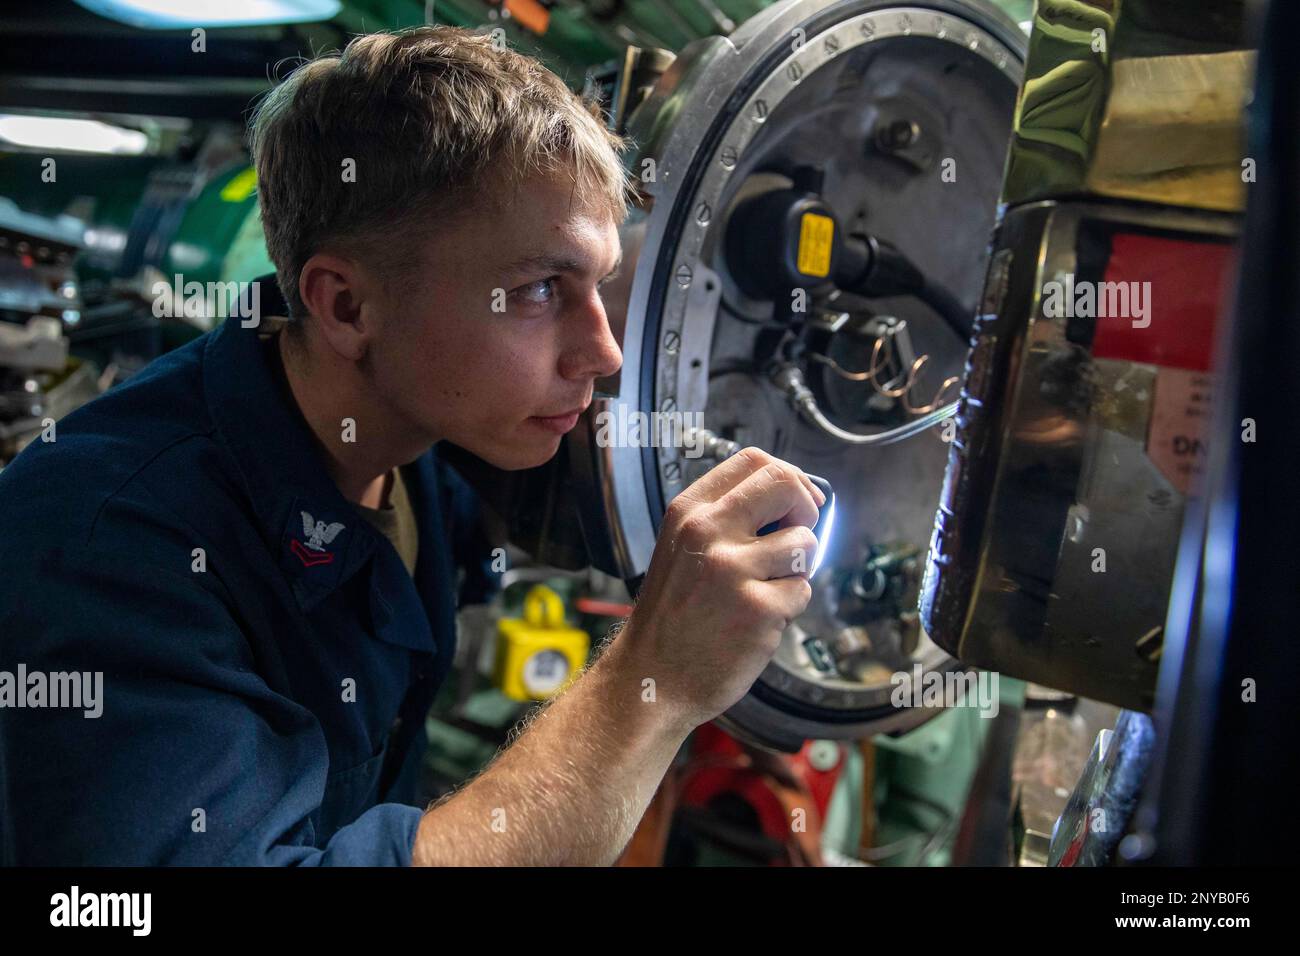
(500, 353)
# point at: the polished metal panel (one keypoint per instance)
(1058, 456)
(1051, 462)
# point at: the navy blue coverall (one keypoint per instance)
(228, 734)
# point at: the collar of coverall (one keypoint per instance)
(299, 508)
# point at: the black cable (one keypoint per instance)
(875, 268)
(949, 308)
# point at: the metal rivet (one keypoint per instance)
(684, 275)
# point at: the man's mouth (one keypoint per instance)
(559, 424)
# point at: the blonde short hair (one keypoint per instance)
(430, 117)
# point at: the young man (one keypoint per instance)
(253, 544)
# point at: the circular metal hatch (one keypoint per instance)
(899, 115)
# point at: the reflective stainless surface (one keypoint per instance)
(1062, 456)
(1050, 469)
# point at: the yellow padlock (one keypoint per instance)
(538, 654)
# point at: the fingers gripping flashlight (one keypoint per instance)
(717, 448)
(824, 527)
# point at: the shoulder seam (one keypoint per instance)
(90, 532)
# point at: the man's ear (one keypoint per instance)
(336, 290)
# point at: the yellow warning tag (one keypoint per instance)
(815, 235)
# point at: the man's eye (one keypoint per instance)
(537, 293)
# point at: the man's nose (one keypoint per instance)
(593, 351)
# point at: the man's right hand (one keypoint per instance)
(573, 785)
(717, 596)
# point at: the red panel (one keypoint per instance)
(1183, 301)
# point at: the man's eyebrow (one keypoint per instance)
(546, 262)
(550, 262)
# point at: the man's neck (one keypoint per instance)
(377, 495)
(361, 468)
